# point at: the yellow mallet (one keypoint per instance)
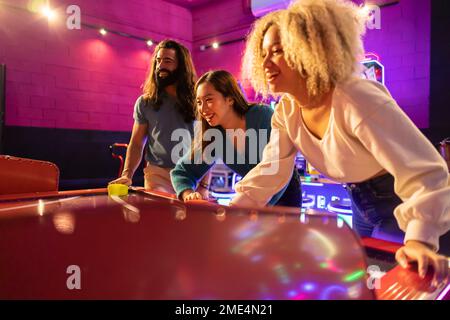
(117, 189)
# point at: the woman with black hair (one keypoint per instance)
(242, 131)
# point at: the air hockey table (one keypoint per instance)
(148, 245)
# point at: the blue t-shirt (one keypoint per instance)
(186, 175)
(161, 125)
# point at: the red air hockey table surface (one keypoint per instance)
(148, 245)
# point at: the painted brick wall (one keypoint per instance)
(220, 21)
(403, 43)
(78, 79)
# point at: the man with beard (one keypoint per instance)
(167, 104)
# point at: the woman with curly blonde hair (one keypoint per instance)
(348, 128)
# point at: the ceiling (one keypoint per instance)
(189, 4)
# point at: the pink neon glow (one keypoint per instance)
(372, 56)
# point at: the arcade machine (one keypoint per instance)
(320, 193)
(222, 183)
(373, 69)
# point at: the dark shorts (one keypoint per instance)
(373, 204)
(292, 196)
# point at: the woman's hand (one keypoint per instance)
(416, 251)
(122, 180)
(204, 192)
(189, 195)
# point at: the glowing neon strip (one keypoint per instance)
(223, 195)
(373, 54)
(354, 276)
(337, 210)
(316, 184)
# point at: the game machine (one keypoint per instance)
(320, 193)
(373, 68)
(222, 183)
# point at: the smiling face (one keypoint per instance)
(279, 76)
(166, 66)
(212, 105)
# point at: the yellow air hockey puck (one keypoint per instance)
(117, 189)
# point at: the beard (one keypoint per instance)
(171, 78)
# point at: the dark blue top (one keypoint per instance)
(186, 175)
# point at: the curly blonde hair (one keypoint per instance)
(322, 39)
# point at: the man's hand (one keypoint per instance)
(416, 251)
(122, 180)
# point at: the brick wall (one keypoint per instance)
(78, 79)
(220, 21)
(403, 43)
(61, 78)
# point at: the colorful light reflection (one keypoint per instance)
(354, 276)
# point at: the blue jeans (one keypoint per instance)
(292, 196)
(373, 204)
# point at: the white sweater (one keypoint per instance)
(367, 132)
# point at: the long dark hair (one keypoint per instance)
(226, 84)
(185, 84)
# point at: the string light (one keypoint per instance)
(216, 45)
(104, 31)
(49, 13)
